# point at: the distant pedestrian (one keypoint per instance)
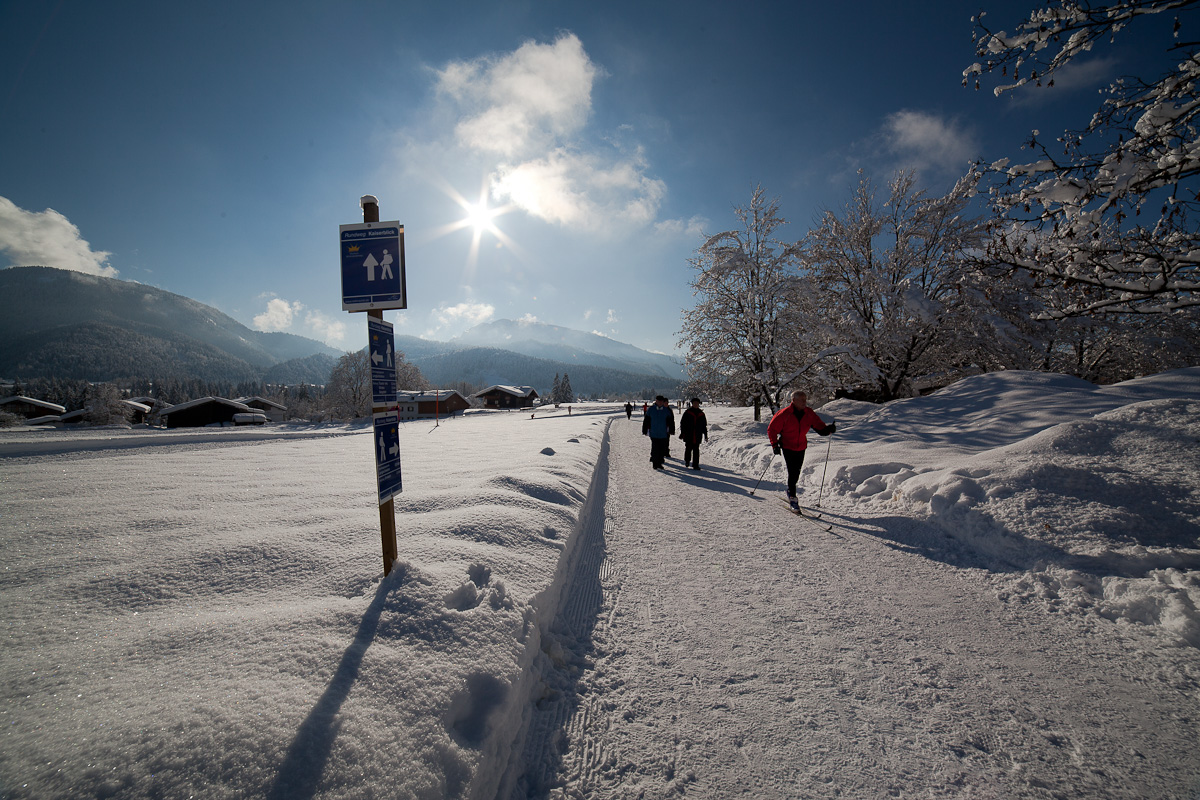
(788, 433)
(659, 425)
(628, 410)
(645, 408)
(693, 426)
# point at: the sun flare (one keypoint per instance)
(479, 216)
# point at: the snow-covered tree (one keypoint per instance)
(890, 278)
(565, 393)
(104, 406)
(1110, 208)
(408, 375)
(556, 389)
(349, 389)
(746, 282)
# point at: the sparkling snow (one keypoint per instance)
(1006, 606)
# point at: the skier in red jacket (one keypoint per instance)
(788, 433)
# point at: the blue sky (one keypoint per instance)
(212, 149)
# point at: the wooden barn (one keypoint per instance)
(272, 410)
(507, 397)
(428, 405)
(210, 411)
(29, 408)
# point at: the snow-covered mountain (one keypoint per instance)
(556, 343)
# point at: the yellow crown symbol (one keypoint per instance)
(354, 248)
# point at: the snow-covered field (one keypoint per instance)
(1006, 606)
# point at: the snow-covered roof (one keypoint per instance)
(39, 403)
(136, 406)
(205, 401)
(263, 400)
(517, 391)
(429, 396)
(45, 420)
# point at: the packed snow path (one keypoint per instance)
(714, 645)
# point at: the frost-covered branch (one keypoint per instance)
(1112, 208)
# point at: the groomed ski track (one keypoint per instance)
(709, 643)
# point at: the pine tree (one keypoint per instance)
(566, 393)
(556, 390)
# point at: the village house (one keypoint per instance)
(29, 408)
(272, 410)
(436, 403)
(211, 411)
(507, 397)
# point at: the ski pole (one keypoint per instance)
(764, 472)
(828, 445)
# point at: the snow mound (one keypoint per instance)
(1083, 498)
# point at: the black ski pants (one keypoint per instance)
(691, 453)
(794, 460)
(658, 450)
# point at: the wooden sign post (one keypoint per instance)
(373, 280)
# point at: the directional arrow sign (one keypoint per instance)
(373, 266)
(387, 455)
(382, 347)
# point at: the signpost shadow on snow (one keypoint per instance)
(300, 773)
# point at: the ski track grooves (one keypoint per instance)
(555, 711)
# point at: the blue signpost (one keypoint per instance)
(381, 347)
(373, 280)
(387, 455)
(373, 266)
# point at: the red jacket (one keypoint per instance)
(792, 432)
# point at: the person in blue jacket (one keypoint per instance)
(659, 424)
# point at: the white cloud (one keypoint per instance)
(612, 317)
(528, 319)
(929, 144)
(689, 228)
(331, 331)
(48, 239)
(580, 191)
(525, 100)
(471, 313)
(528, 110)
(278, 316)
(1076, 75)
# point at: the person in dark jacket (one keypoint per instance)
(788, 433)
(659, 425)
(693, 426)
(629, 411)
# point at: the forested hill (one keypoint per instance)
(60, 323)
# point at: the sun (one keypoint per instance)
(479, 216)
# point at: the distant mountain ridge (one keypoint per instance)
(59, 323)
(555, 343)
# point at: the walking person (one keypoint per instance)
(788, 433)
(693, 426)
(628, 410)
(659, 425)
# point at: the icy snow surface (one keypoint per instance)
(1006, 606)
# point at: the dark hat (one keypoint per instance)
(695, 399)
(660, 397)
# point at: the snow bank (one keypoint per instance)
(201, 613)
(1080, 497)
